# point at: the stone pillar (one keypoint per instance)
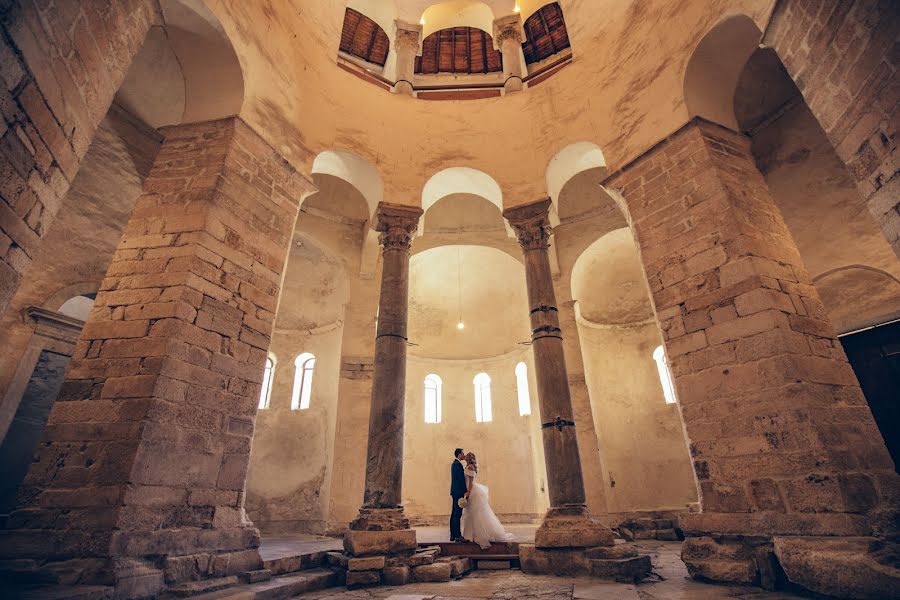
(589, 444)
(568, 522)
(782, 440)
(139, 479)
(508, 37)
(407, 41)
(381, 525)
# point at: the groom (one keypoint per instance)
(458, 489)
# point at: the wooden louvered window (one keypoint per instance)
(545, 34)
(459, 50)
(363, 38)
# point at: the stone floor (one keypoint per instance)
(670, 581)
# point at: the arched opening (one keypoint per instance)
(433, 385)
(265, 392)
(459, 50)
(364, 38)
(545, 34)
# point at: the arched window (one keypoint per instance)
(665, 375)
(363, 38)
(265, 393)
(459, 50)
(303, 374)
(482, 398)
(545, 34)
(522, 389)
(433, 399)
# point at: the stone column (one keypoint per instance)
(381, 525)
(568, 522)
(781, 437)
(596, 476)
(508, 36)
(407, 41)
(139, 479)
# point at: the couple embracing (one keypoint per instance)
(472, 518)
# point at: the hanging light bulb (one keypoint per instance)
(460, 325)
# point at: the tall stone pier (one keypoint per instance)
(381, 527)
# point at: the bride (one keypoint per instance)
(479, 523)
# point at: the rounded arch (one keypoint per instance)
(186, 71)
(356, 171)
(569, 162)
(63, 295)
(526, 8)
(383, 12)
(461, 180)
(457, 13)
(715, 66)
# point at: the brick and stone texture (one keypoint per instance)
(844, 58)
(781, 437)
(61, 62)
(139, 478)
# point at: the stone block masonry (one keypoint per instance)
(140, 475)
(843, 57)
(781, 437)
(61, 62)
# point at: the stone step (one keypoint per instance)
(256, 576)
(469, 548)
(57, 592)
(493, 565)
(276, 588)
(297, 562)
(623, 570)
(195, 588)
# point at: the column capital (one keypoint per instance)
(407, 35)
(508, 28)
(531, 223)
(397, 225)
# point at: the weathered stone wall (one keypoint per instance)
(75, 254)
(147, 447)
(517, 494)
(843, 58)
(777, 424)
(60, 63)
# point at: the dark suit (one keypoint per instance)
(458, 489)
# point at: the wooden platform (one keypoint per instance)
(501, 551)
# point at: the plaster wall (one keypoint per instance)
(289, 479)
(641, 437)
(509, 461)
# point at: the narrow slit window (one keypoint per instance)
(303, 375)
(433, 399)
(265, 393)
(522, 389)
(665, 375)
(483, 398)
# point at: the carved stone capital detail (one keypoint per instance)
(531, 224)
(397, 225)
(508, 28)
(407, 36)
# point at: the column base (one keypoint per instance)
(572, 527)
(380, 531)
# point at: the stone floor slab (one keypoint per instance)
(605, 591)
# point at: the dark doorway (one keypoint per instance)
(874, 355)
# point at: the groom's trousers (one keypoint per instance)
(455, 516)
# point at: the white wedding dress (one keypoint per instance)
(479, 523)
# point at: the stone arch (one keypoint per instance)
(569, 162)
(383, 12)
(187, 70)
(461, 180)
(356, 171)
(715, 66)
(63, 295)
(457, 13)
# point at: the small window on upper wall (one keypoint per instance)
(433, 399)
(522, 389)
(545, 34)
(303, 375)
(483, 398)
(665, 375)
(265, 393)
